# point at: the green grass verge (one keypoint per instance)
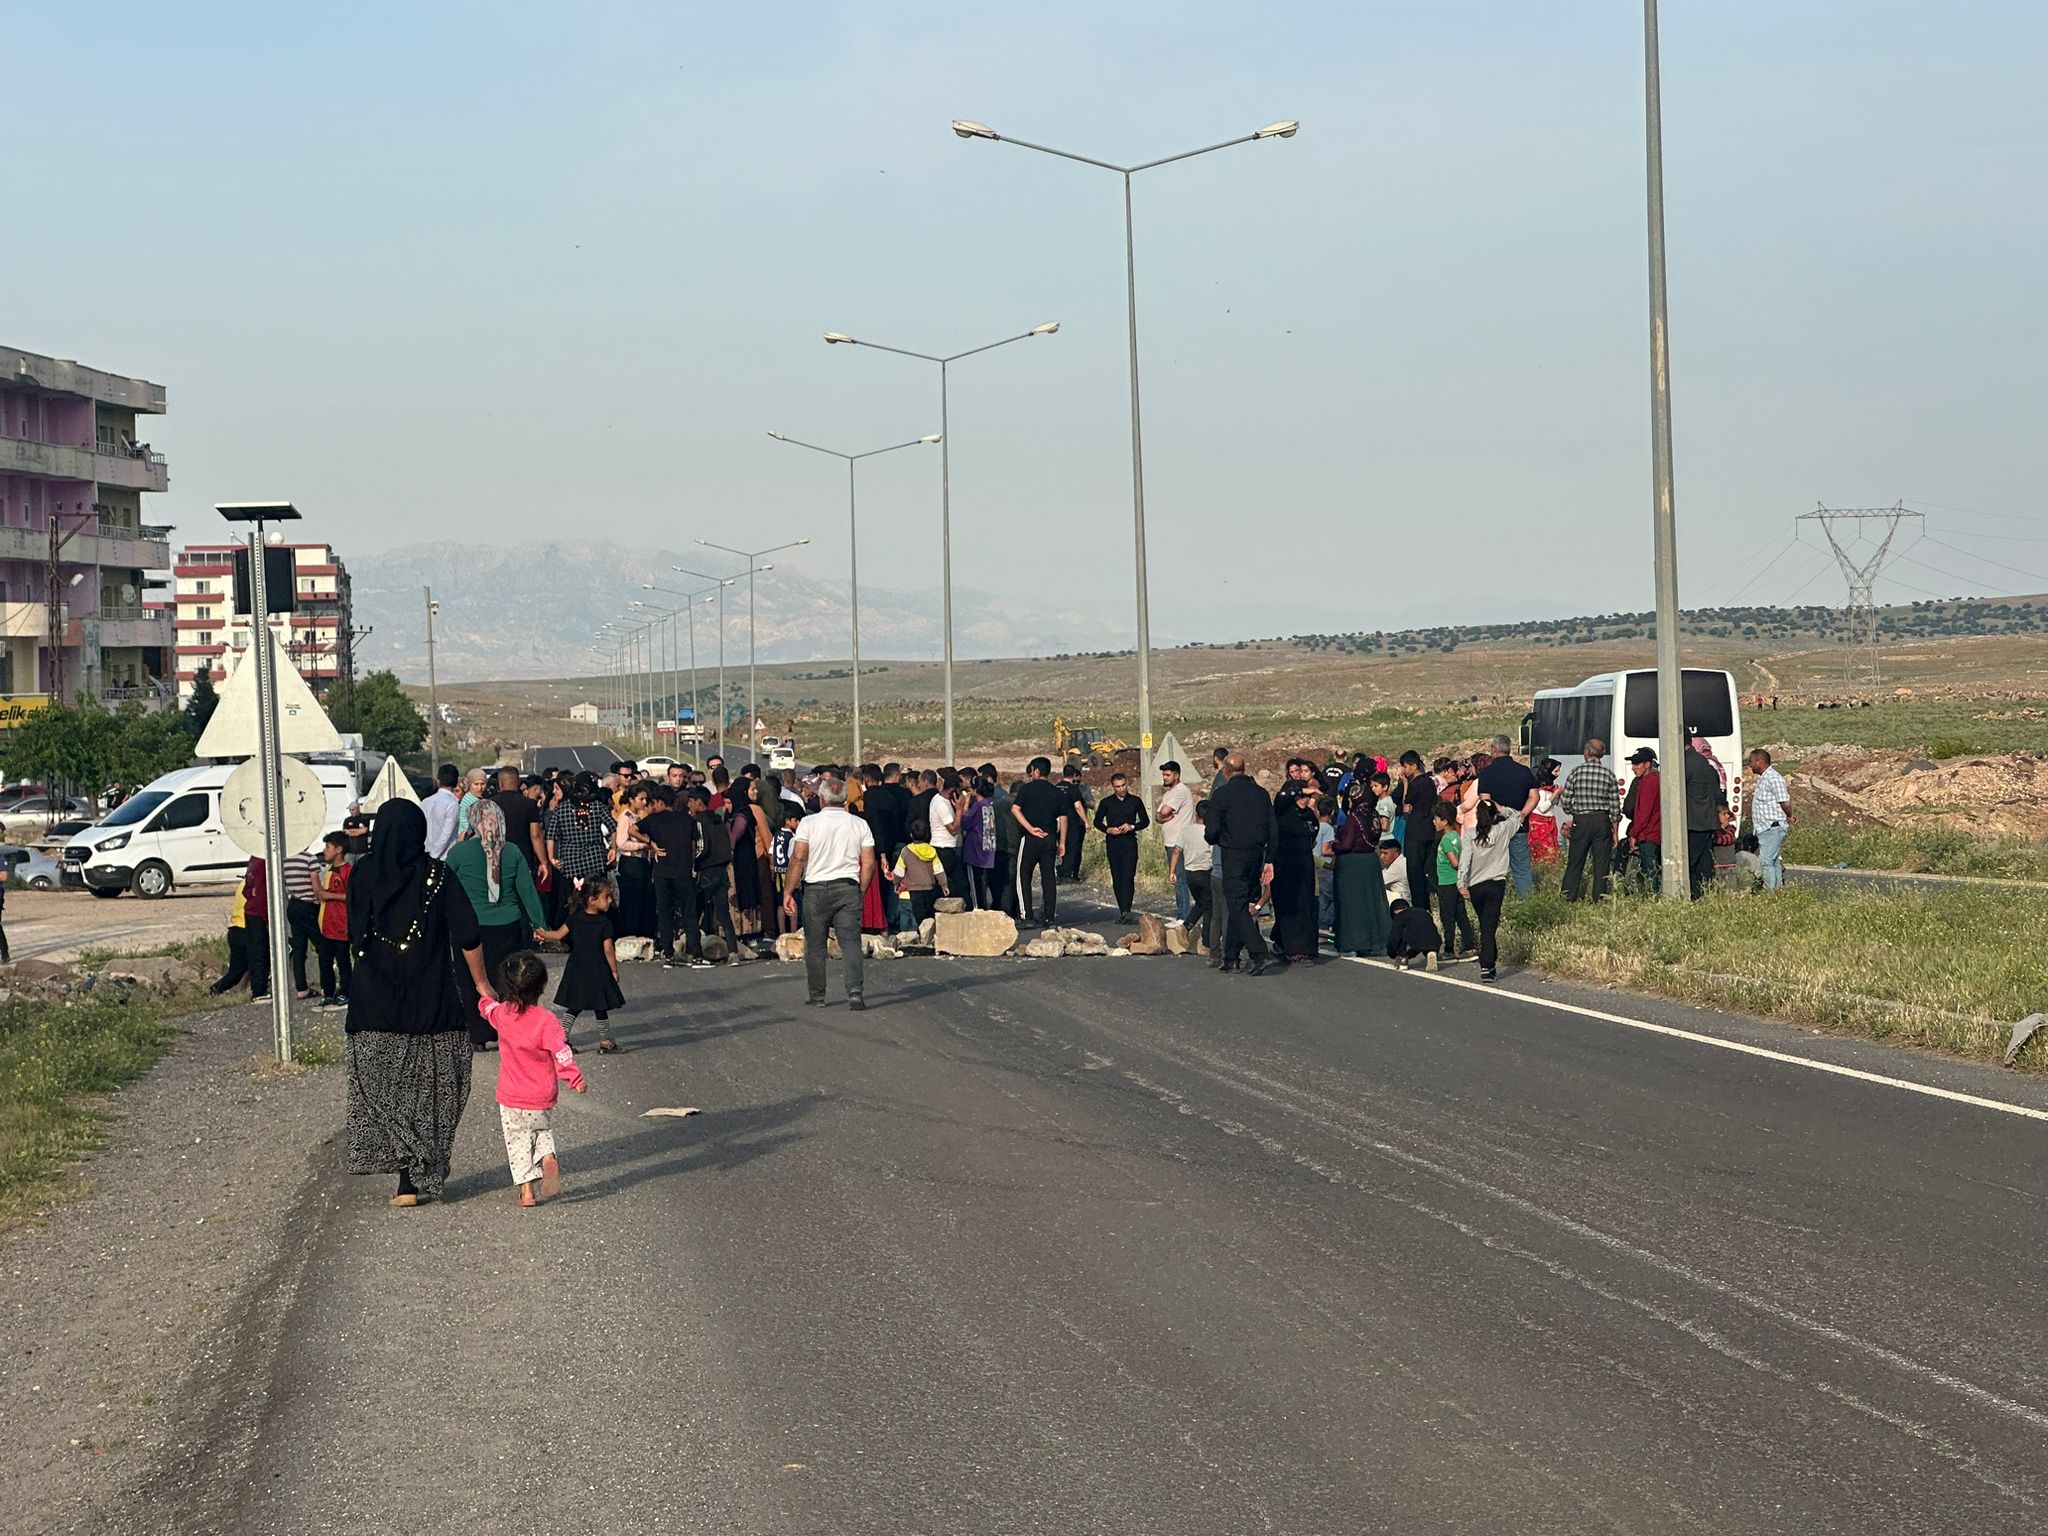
(1937, 728)
(54, 1059)
(1947, 970)
(1918, 850)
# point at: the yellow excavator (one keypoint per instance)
(1083, 745)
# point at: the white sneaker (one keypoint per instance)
(1430, 963)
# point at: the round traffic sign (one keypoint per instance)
(305, 806)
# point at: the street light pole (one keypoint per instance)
(751, 556)
(1671, 745)
(722, 583)
(433, 686)
(689, 610)
(853, 569)
(1280, 130)
(840, 338)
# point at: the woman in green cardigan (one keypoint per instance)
(499, 883)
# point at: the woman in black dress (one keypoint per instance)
(1294, 871)
(410, 926)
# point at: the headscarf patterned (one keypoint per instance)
(487, 822)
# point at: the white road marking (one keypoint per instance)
(1741, 1047)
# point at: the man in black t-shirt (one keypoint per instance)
(885, 807)
(671, 835)
(1077, 820)
(1511, 786)
(1040, 809)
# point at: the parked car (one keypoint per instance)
(35, 869)
(43, 805)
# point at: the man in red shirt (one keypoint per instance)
(333, 938)
(1645, 813)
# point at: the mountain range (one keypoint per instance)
(534, 609)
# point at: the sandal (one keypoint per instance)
(608, 1045)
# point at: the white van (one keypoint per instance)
(170, 834)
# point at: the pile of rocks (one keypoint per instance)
(1053, 943)
(54, 981)
(875, 946)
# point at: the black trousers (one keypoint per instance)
(1241, 870)
(1039, 856)
(258, 929)
(1421, 861)
(1700, 847)
(1123, 867)
(1454, 920)
(957, 883)
(238, 961)
(713, 913)
(336, 969)
(1650, 866)
(988, 886)
(303, 920)
(1592, 838)
(636, 898)
(1004, 882)
(675, 912)
(1487, 897)
(1070, 866)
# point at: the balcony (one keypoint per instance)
(147, 548)
(120, 627)
(31, 621)
(139, 469)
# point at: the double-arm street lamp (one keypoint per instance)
(723, 582)
(689, 611)
(840, 338)
(853, 572)
(750, 556)
(1281, 130)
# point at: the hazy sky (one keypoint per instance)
(522, 270)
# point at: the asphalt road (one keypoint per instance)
(1130, 1246)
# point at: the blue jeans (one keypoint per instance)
(1770, 846)
(1183, 899)
(1521, 873)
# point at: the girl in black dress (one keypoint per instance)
(590, 981)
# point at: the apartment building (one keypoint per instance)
(75, 552)
(316, 637)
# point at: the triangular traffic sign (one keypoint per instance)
(302, 725)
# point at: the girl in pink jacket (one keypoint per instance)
(532, 1054)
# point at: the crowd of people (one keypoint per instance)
(426, 920)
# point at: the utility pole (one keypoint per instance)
(433, 686)
(1664, 515)
(1861, 573)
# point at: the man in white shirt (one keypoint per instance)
(444, 813)
(1770, 813)
(831, 863)
(1177, 816)
(945, 820)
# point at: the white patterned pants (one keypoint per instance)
(529, 1137)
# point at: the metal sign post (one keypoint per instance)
(269, 755)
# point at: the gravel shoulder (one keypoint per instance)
(139, 1294)
(56, 925)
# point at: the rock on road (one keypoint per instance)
(1127, 1246)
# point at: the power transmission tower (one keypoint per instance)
(1860, 568)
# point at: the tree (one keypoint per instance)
(85, 747)
(389, 721)
(200, 707)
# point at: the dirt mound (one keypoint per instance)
(1984, 794)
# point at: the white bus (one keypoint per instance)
(1621, 709)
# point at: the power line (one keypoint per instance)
(1987, 560)
(1967, 581)
(1862, 572)
(2016, 517)
(1744, 565)
(1797, 543)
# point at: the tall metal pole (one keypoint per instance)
(1671, 745)
(853, 572)
(433, 685)
(753, 703)
(721, 672)
(945, 550)
(269, 754)
(696, 714)
(1138, 503)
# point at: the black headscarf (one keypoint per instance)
(393, 874)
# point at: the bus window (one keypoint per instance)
(1598, 720)
(1709, 705)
